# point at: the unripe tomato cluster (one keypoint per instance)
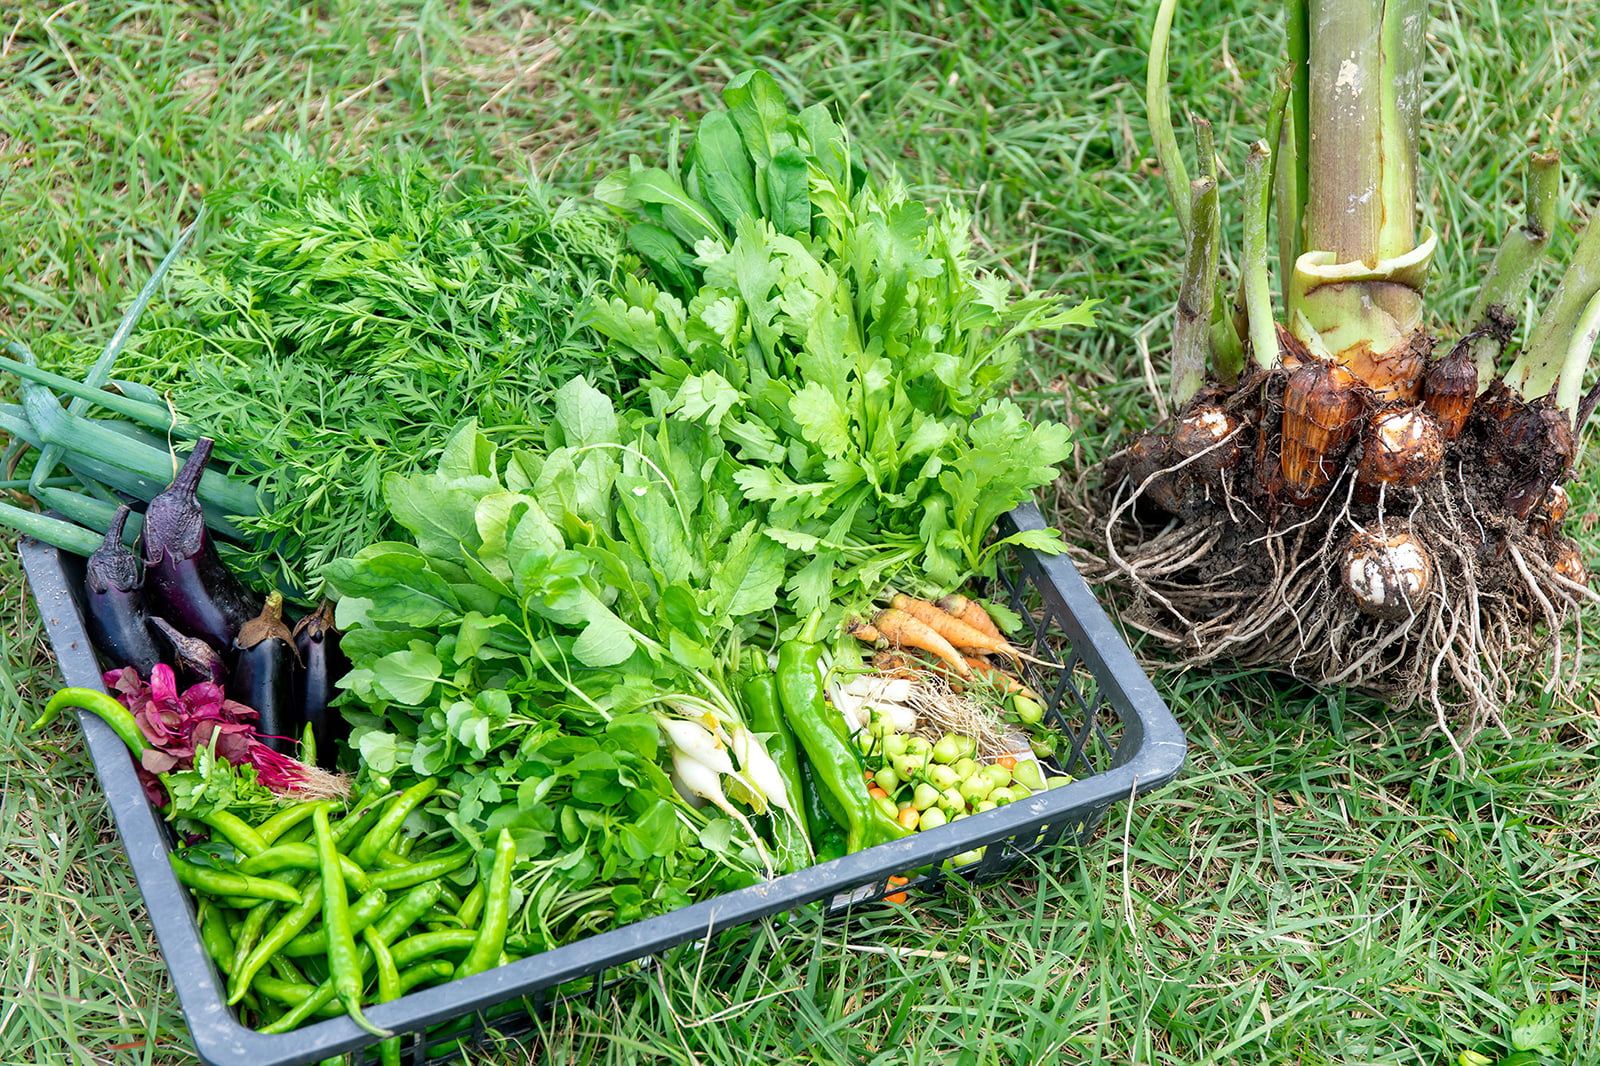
(924, 783)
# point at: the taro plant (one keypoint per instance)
(1345, 492)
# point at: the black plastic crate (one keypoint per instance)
(1120, 740)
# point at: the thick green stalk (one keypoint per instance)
(1569, 390)
(1534, 372)
(1191, 336)
(1356, 291)
(1159, 112)
(1255, 273)
(1506, 284)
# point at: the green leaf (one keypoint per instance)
(407, 676)
(1538, 1028)
(788, 199)
(685, 217)
(757, 107)
(727, 182)
(824, 422)
(398, 588)
(605, 641)
(585, 414)
(670, 261)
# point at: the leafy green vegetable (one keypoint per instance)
(550, 603)
(340, 327)
(838, 338)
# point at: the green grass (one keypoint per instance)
(1323, 885)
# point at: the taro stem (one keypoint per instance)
(1254, 269)
(1494, 310)
(1548, 355)
(1356, 292)
(1159, 112)
(1191, 335)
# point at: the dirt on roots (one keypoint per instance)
(1218, 571)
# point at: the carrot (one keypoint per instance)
(898, 897)
(970, 612)
(908, 631)
(954, 630)
(894, 664)
(863, 631)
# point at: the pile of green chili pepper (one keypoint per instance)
(323, 910)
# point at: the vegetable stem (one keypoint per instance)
(1533, 373)
(1158, 107)
(1254, 280)
(1506, 284)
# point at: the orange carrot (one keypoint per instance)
(862, 631)
(958, 633)
(908, 631)
(898, 897)
(972, 613)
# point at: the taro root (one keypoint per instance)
(1210, 433)
(1403, 448)
(1552, 510)
(1449, 389)
(1321, 407)
(1387, 574)
(1568, 563)
(1394, 376)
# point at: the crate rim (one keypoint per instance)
(1150, 730)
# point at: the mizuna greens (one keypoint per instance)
(836, 333)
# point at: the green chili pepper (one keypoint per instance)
(215, 936)
(428, 970)
(114, 714)
(388, 989)
(245, 840)
(300, 856)
(363, 912)
(417, 873)
(384, 829)
(280, 823)
(215, 882)
(435, 942)
(291, 925)
(485, 953)
(790, 833)
(834, 760)
(343, 965)
(297, 996)
(472, 907)
(407, 911)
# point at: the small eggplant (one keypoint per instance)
(119, 623)
(322, 664)
(188, 583)
(263, 675)
(196, 660)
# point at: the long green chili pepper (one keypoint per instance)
(247, 933)
(429, 869)
(215, 936)
(343, 964)
(302, 856)
(236, 831)
(388, 989)
(363, 912)
(280, 823)
(472, 906)
(114, 714)
(406, 911)
(834, 760)
(296, 995)
(216, 882)
(485, 953)
(428, 970)
(791, 834)
(435, 942)
(387, 825)
(291, 925)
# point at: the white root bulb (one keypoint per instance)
(1387, 574)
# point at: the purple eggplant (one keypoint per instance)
(196, 660)
(264, 675)
(188, 585)
(119, 622)
(321, 665)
